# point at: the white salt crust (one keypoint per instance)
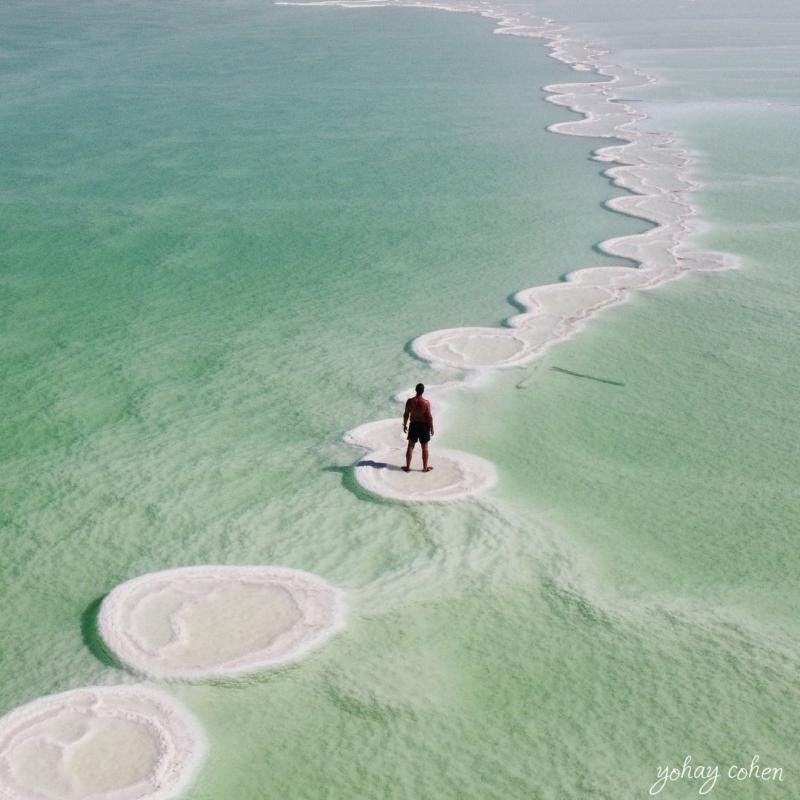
(100, 743)
(648, 164)
(377, 435)
(218, 621)
(455, 475)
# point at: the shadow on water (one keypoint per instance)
(588, 377)
(350, 483)
(266, 675)
(91, 635)
(408, 349)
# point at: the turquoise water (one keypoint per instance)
(223, 225)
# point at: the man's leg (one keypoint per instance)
(424, 456)
(409, 452)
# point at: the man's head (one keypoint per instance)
(419, 389)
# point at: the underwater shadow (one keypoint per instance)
(624, 260)
(511, 299)
(409, 351)
(91, 634)
(588, 377)
(350, 483)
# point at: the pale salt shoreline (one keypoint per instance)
(648, 165)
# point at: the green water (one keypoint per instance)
(222, 225)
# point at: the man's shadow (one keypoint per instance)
(350, 483)
(378, 465)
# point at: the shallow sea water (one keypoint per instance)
(223, 225)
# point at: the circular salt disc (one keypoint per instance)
(109, 743)
(213, 621)
(566, 300)
(472, 347)
(454, 475)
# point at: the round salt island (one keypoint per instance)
(454, 475)
(218, 621)
(482, 348)
(111, 742)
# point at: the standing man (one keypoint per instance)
(418, 410)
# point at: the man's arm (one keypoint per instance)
(406, 415)
(429, 416)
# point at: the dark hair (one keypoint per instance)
(419, 388)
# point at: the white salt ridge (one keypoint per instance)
(455, 475)
(649, 165)
(218, 621)
(107, 743)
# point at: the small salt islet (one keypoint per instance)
(455, 474)
(109, 742)
(212, 621)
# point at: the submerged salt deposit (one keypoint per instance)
(115, 743)
(209, 621)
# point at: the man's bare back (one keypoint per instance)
(418, 412)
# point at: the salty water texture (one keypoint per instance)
(222, 225)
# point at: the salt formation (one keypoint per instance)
(648, 164)
(455, 475)
(212, 621)
(472, 348)
(107, 743)
(377, 435)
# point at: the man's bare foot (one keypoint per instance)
(405, 469)
(427, 469)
